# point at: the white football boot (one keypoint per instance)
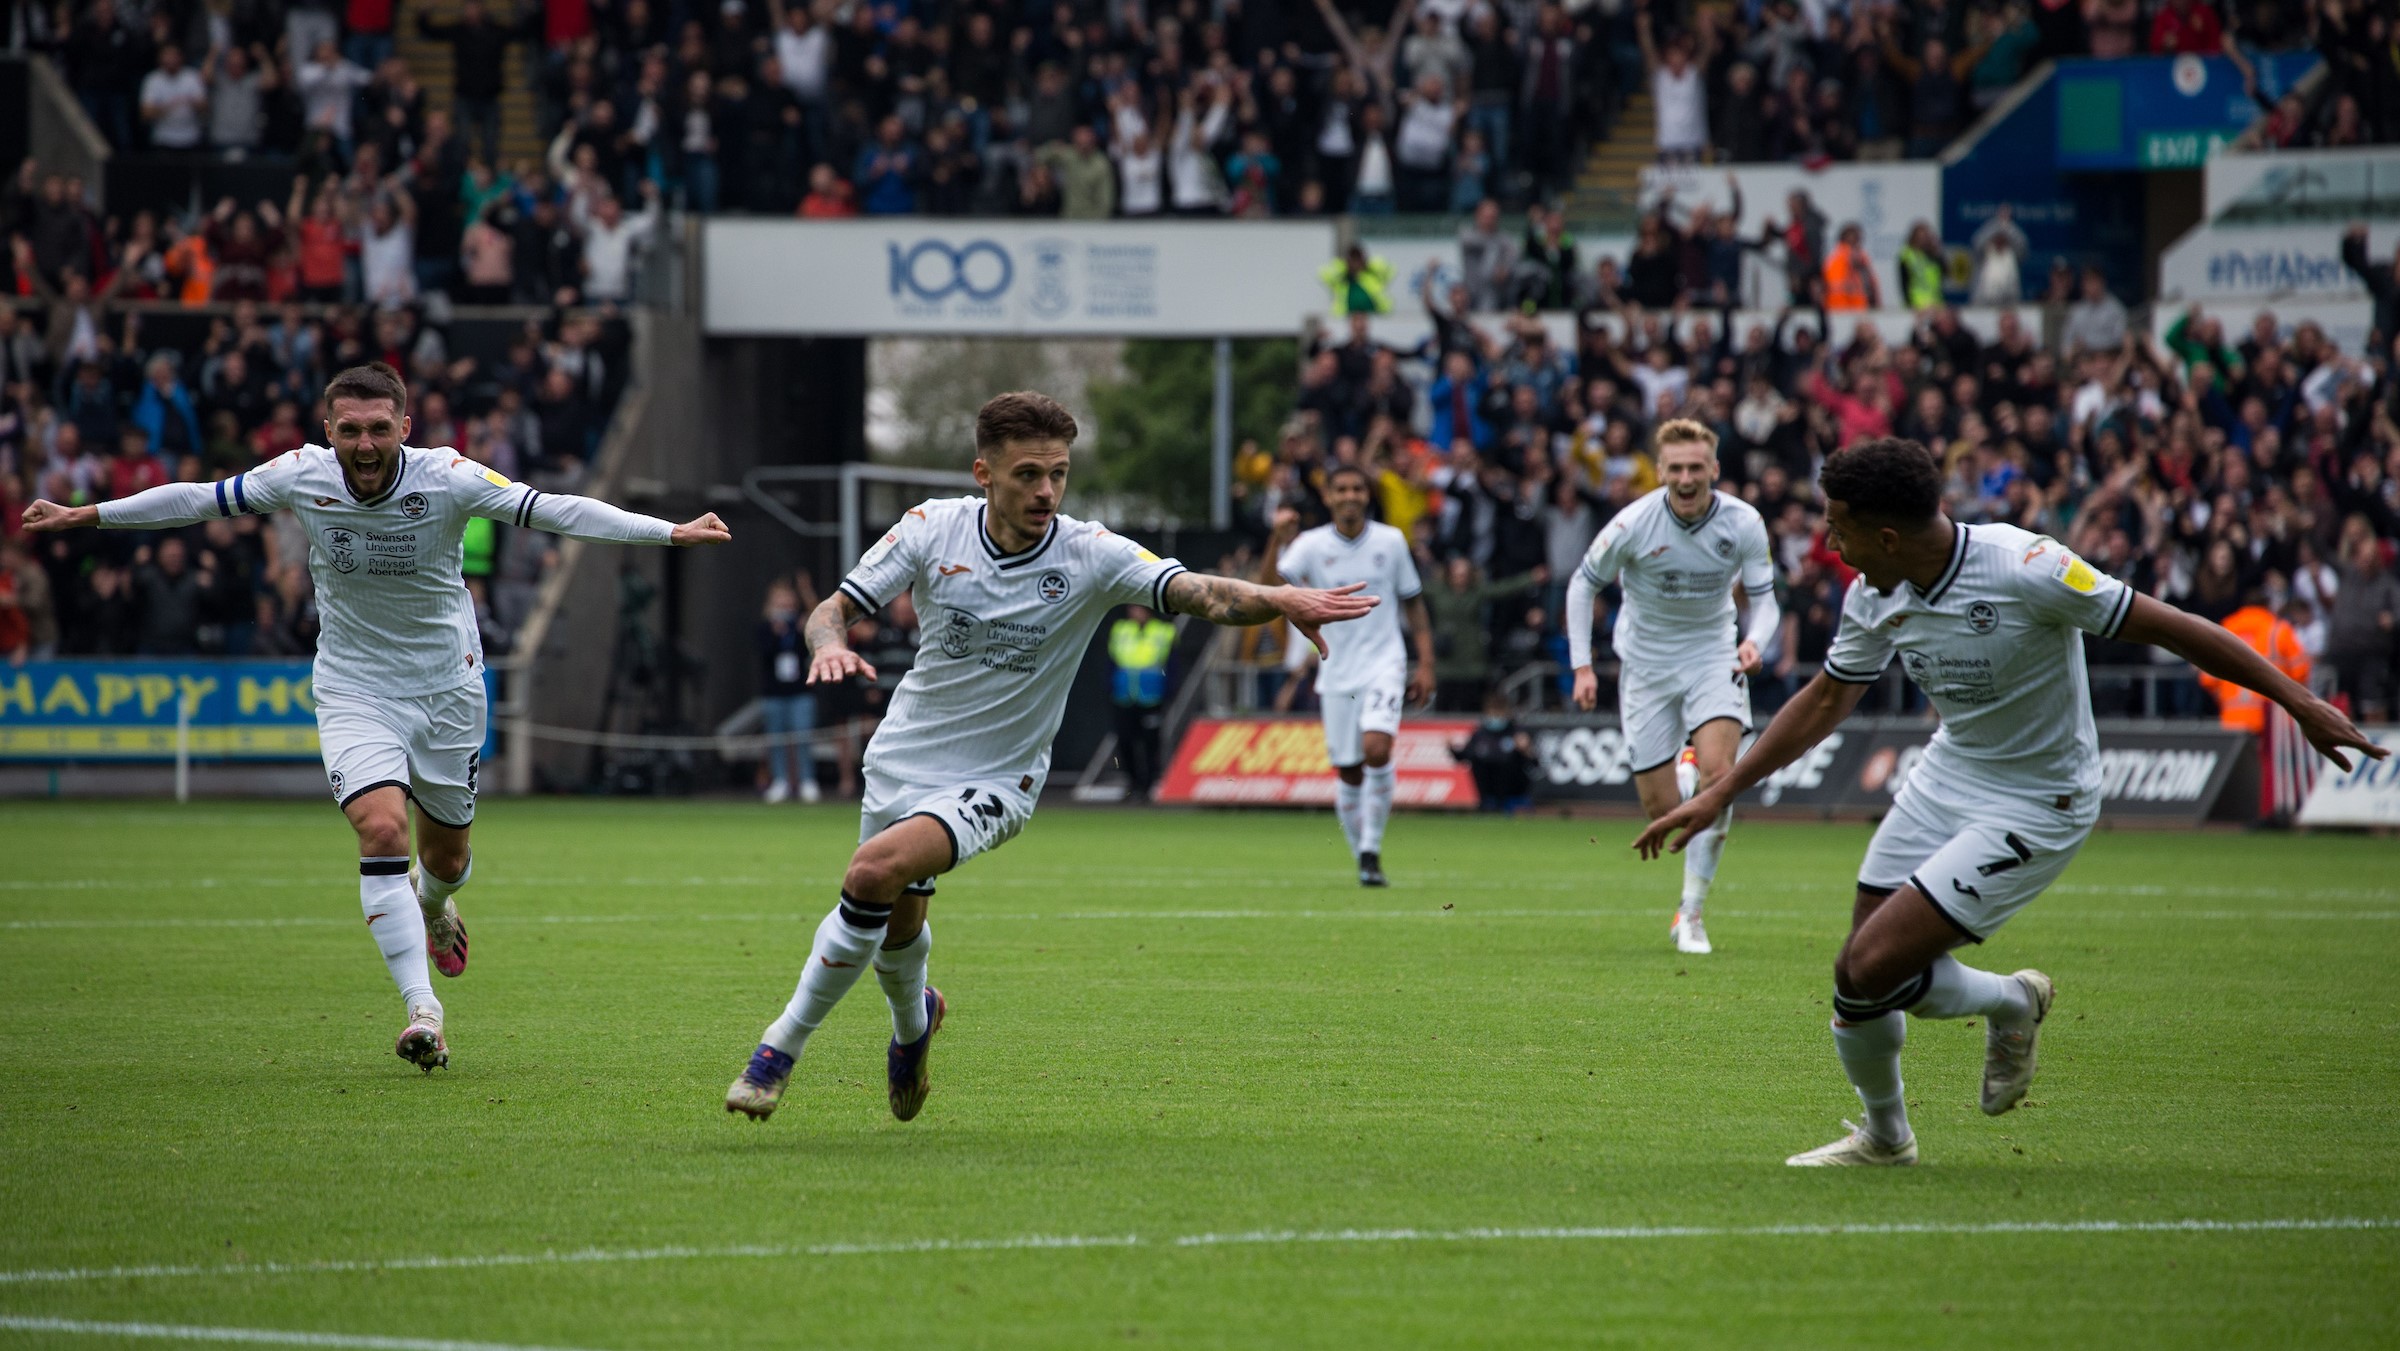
(1855, 1150)
(2008, 1051)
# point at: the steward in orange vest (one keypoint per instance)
(2270, 637)
(1850, 276)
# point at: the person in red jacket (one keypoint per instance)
(2187, 26)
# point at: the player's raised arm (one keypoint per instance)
(2217, 651)
(1229, 600)
(159, 508)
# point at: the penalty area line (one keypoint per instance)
(1244, 1238)
(185, 1332)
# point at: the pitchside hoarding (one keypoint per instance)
(1280, 762)
(922, 275)
(2367, 794)
(128, 710)
(2146, 772)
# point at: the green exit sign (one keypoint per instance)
(2180, 149)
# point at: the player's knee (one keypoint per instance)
(873, 876)
(446, 858)
(1378, 757)
(1354, 775)
(382, 834)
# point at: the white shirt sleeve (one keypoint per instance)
(1758, 586)
(1600, 566)
(2062, 588)
(257, 492)
(890, 565)
(1292, 564)
(1411, 585)
(1861, 648)
(1130, 574)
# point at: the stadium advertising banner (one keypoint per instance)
(2368, 794)
(2219, 262)
(1858, 770)
(1280, 762)
(128, 710)
(2164, 112)
(921, 275)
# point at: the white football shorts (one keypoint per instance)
(1980, 855)
(1661, 709)
(426, 745)
(1351, 715)
(980, 815)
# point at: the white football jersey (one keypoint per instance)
(999, 635)
(1367, 649)
(1677, 577)
(1997, 646)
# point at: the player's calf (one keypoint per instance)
(445, 932)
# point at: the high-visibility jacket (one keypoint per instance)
(1140, 649)
(1920, 279)
(478, 547)
(1367, 293)
(1848, 284)
(2271, 638)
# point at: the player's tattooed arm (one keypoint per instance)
(1229, 600)
(830, 660)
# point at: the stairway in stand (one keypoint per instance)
(1609, 186)
(429, 60)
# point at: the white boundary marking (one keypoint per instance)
(1471, 912)
(1246, 1238)
(184, 1332)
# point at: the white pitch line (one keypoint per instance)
(1249, 1238)
(1195, 916)
(185, 1332)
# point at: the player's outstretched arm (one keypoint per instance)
(1230, 600)
(827, 633)
(2215, 650)
(592, 519)
(1808, 719)
(169, 504)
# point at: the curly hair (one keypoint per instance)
(1888, 481)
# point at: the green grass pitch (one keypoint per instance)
(1197, 1089)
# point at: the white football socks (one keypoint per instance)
(835, 962)
(1700, 859)
(399, 928)
(1960, 991)
(1345, 809)
(433, 888)
(901, 972)
(1870, 1052)
(1375, 807)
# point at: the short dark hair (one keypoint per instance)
(1889, 480)
(1022, 416)
(374, 380)
(1340, 469)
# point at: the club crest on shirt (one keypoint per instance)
(1052, 587)
(335, 776)
(341, 549)
(413, 506)
(1983, 616)
(958, 635)
(1724, 548)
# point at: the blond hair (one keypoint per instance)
(1676, 431)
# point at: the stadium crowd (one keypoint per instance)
(2244, 470)
(1083, 109)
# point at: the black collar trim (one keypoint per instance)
(1016, 560)
(1715, 504)
(1958, 558)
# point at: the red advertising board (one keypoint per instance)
(1280, 762)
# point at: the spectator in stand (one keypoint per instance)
(2364, 627)
(1849, 276)
(612, 242)
(2096, 322)
(788, 707)
(328, 87)
(829, 196)
(2187, 27)
(107, 64)
(1678, 88)
(888, 171)
(174, 102)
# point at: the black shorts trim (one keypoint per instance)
(1881, 893)
(1663, 763)
(947, 829)
(1846, 677)
(917, 889)
(1942, 910)
(865, 601)
(446, 825)
(379, 783)
(1721, 717)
